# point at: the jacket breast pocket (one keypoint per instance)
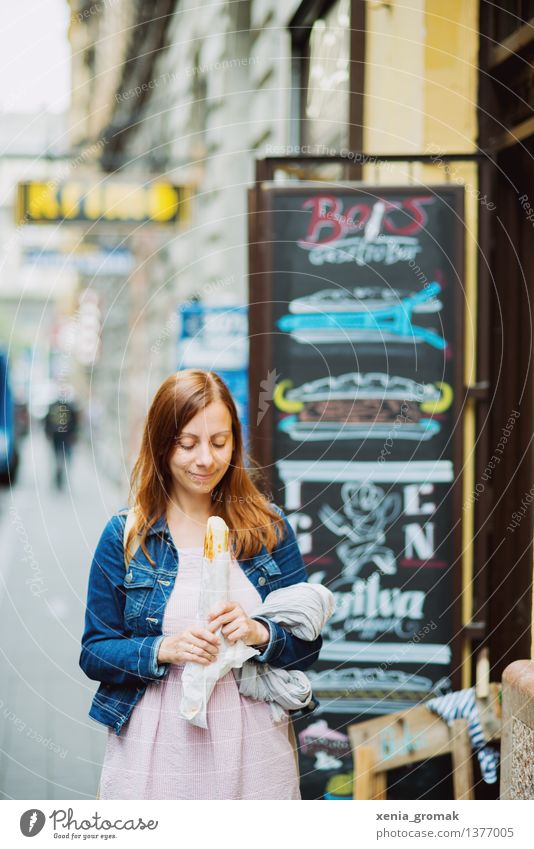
(267, 574)
(138, 584)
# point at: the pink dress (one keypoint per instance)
(242, 754)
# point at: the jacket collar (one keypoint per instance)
(159, 526)
(156, 528)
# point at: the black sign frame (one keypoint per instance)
(263, 346)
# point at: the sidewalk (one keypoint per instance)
(49, 748)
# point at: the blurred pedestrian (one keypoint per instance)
(61, 428)
(142, 624)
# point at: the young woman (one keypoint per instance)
(141, 621)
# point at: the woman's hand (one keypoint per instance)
(236, 625)
(197, 645)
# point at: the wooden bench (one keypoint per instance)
(413, 735)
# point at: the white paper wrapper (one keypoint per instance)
(198, 681)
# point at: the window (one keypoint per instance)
(328, 84)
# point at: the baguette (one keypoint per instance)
(217, 538)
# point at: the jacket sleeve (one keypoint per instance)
(108, 653)
(283, 649)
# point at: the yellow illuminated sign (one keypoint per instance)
(107, 201)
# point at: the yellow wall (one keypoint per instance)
(451, 71)
(421, 76)
(421, 97)
(394, 69)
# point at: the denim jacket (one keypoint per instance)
(124, 615)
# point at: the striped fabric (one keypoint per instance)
(462, 705)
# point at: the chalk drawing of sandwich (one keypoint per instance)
(361, 406)
(372, 690)
(367, 314)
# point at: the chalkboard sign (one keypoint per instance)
(356, 320)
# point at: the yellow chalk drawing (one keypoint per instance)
(444, 402)
(282, 403)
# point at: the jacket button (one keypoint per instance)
(262, 581)
(128, 578)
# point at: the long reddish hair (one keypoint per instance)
(252, 521)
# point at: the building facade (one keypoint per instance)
(210, 89)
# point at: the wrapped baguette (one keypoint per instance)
(216, 566)
(198, 681)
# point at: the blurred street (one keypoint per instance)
(50, 748)
(329, 203)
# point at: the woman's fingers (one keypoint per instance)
(196, 653)
(222, 608)
(198, 656)
(223, 614)
(235, 630)
(236, 635)
(225, 619)
(195, 658)
(201, 645)
(206, 635)
(198, 644)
